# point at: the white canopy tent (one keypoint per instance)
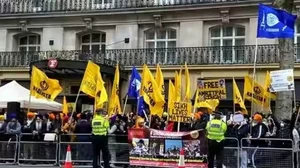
(14, 92)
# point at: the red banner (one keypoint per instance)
(155, 148)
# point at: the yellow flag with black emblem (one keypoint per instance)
(114, 104)
(151, 93)
(43, 87)
(256, 92)
(101, 94)
(89, 80)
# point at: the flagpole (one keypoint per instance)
(124, 105)
(29, 100)
(253, 78)
(75, 104)
(233, 96)
(137, 106)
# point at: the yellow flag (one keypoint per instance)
(65, 109)
(187, 84)
(101, 94)
(43, 87)
(256, 91)
(178, 85)
(89, 80)
(159, 78)
(211, 104)
(267, 92)
(114, 104)
(151, 93)
(237, 98)
(171, 95)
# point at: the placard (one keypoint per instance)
(212, 89)
(181, 112)
(282, 80)
(156, 148)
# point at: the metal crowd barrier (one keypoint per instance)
(27, 150)
(8, 148)
(32, 149)
(266, 153)
(231, 152)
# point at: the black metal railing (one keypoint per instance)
(266, 54)
(45, 6)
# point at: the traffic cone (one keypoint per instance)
(68, 162)
(181, 163)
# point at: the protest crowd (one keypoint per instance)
(179, 115)
(36, 125)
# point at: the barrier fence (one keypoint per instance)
(27, 149)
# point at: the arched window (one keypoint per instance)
(161, 38)
(93, 42)
(31, 42)
(225, 37)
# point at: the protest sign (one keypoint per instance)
(156, 148)
(282, 80)
(181, 112)
(212, 89)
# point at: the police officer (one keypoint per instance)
(216, 129)
(100, 126)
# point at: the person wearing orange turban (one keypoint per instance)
(51, 116)
(30, 115)
(139, 122)
(257, 118)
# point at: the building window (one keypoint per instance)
(227, 39)
(93, 42)
(297, 42)
(30, 43)
(162, 40)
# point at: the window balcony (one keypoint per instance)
(56, 6)
(267, 54)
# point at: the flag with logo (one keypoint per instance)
(256, 92)
(114, 104)
(43, 87)
(237, 98)
(89, 80)
(187, 84)
(101, 95)
(178, 85)
(171, 95)
(275, 23)
(151, 92)
(134, 90)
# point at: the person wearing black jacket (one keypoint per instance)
(241, 131)
(259, 130)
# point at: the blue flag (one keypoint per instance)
(134, 90)
(275, 23)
